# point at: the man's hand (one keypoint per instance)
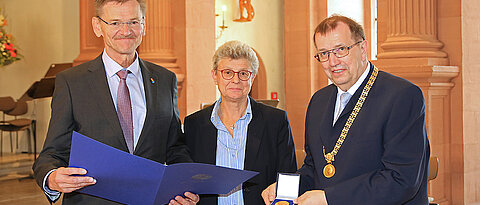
(62, 180)
(269, 193)
(316, 197)
(190, 199)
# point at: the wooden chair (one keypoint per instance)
(432, 174)
(6, 104)
(432, 168)
(19, 124)
(204, 105)
(273, 103)
(300, 154)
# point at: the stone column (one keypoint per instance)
(409, 48)
(198, 48)
(412, 31)
(90, 45)
(157, 45)
(303, 74)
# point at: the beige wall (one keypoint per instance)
(45, 32)
(264, 33)
(471, 100)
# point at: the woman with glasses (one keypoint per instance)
(238, 132)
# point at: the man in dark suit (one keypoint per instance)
(135, 111)
(238, 132)
(365, 134)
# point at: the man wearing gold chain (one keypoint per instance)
(365, 134)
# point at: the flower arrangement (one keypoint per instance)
(8, 52)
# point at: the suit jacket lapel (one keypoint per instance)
(254, 135)
(101, 94)
(326, 128)
(149, 79)
(209, 144)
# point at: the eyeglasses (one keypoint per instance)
(243, 75)
(117, 25)
(339, 52)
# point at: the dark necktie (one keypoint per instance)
(124, 109)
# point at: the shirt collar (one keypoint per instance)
(112, 67)
(215, 118)
(357, 84)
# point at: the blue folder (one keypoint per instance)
(130, 179)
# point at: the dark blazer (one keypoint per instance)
(384, 158)
(269, 147)
(82, 102)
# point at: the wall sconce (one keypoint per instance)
(245, 5)
(223, 26)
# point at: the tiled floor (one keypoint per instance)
(9, 157)
(14, 166)
(24, 192)
(14, 191)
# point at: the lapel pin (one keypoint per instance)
(152, 80)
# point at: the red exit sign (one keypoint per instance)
(274, 95)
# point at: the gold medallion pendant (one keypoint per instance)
(329, 170)
(282, 203)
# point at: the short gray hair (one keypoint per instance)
(236, 50)
(99, 5)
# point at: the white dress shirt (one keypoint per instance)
(338, 105)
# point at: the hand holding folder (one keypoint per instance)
(130, 179)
